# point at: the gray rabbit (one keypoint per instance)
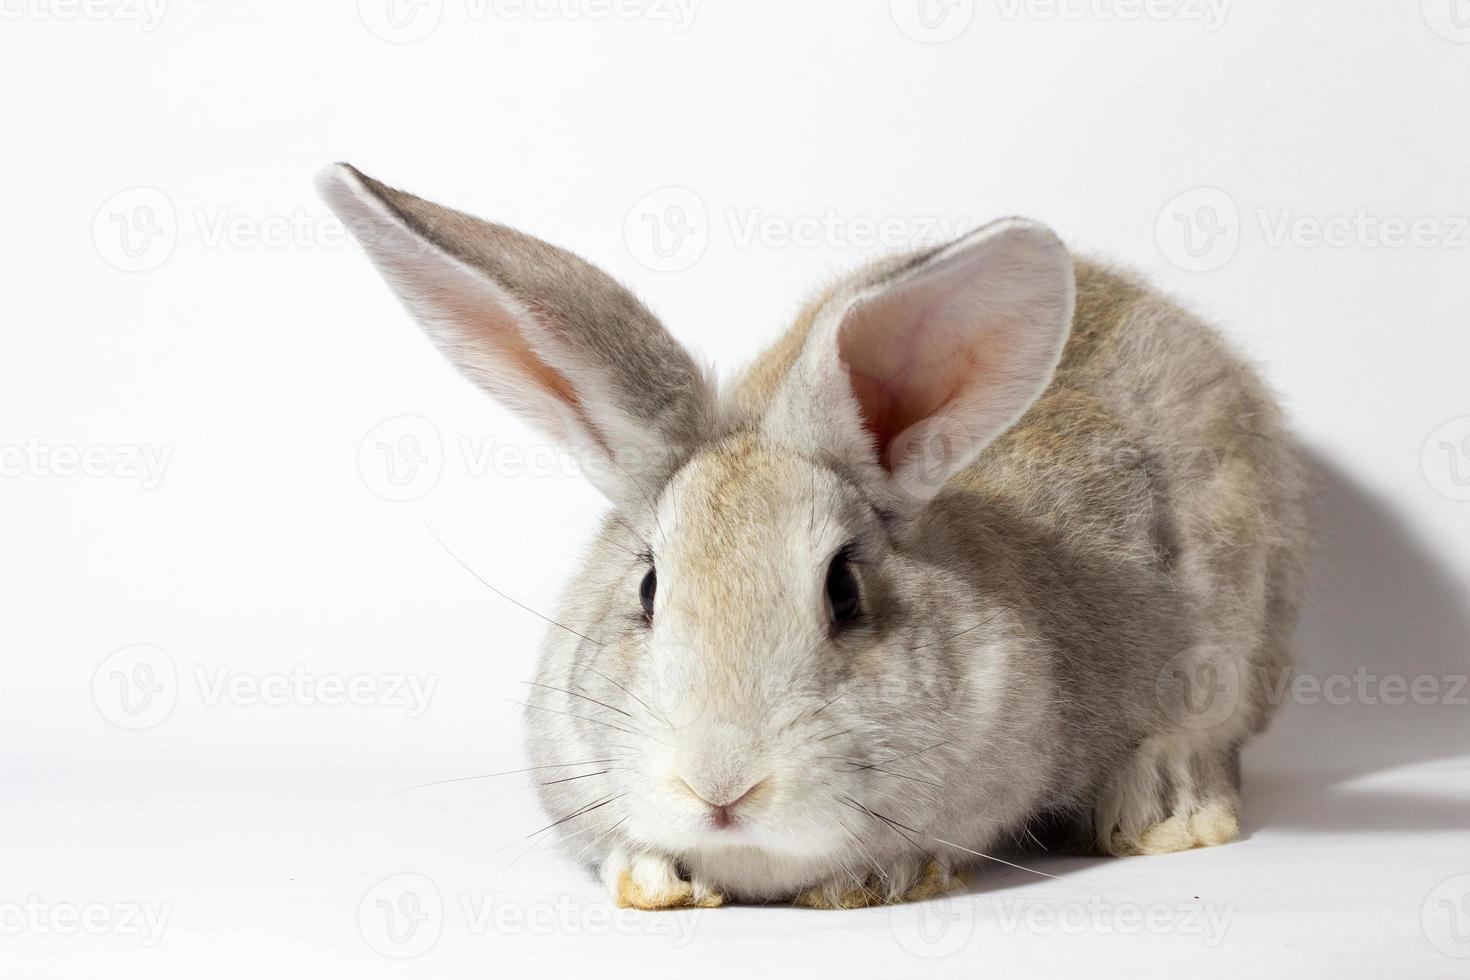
(989, 535)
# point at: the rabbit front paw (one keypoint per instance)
(912, 883)
(1211, 825)
(651, 882)
(1173, 795)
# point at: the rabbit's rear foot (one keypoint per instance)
(1177, 792)
(652, 883)
(911, 884)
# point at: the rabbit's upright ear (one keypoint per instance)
(540, 329)
(905, 380)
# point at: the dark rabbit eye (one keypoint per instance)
(646, 592)
(842, 590)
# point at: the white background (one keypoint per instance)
(174, 291)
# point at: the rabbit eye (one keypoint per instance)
(842, 590)
(646, 592)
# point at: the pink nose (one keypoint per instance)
(721, 813)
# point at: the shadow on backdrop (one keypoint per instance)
(1379, 604)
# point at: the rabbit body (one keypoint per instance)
(988, 537)
(1132, 553)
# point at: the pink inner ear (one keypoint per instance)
(906, 361)
(494, 328)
